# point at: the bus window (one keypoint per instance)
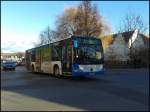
(56, 51)
(33, 56)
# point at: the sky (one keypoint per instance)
(22, 21)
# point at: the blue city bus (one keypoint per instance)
(74, 56)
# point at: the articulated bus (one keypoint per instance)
(74, 56)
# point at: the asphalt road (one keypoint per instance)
(118, 89)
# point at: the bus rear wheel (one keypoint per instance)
(56, 71)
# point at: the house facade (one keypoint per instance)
(12, 56)
(121, 46)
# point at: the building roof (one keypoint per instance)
(145, 39)
(126, 36)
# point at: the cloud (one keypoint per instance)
(14, 41)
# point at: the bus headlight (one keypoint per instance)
(76, 68)
(98, 55)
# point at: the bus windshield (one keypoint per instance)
(87, 51)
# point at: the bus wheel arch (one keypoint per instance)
(32, 68)
(56, 70)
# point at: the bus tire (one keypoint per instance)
(56, 71)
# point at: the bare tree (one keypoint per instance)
(132, 21)
(66, 22)
(46, 36)
(83, 20)
(106, 29)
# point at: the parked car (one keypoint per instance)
(18, 63)
(9, 65)
(21, 63)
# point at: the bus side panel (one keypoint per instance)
(38, 60)
(30, 57)
(46, 59)
(28, 60)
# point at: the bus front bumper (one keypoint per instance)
(87, 73)
(87, 70)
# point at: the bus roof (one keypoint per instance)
(63, 39)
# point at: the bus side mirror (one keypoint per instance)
(75, 44)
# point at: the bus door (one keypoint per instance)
(66, 59)
(28, 59)
(38, 60)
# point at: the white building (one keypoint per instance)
(122, 44)
(11, 56)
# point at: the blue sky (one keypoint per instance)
(22, 21)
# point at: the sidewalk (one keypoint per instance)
(11, 101)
